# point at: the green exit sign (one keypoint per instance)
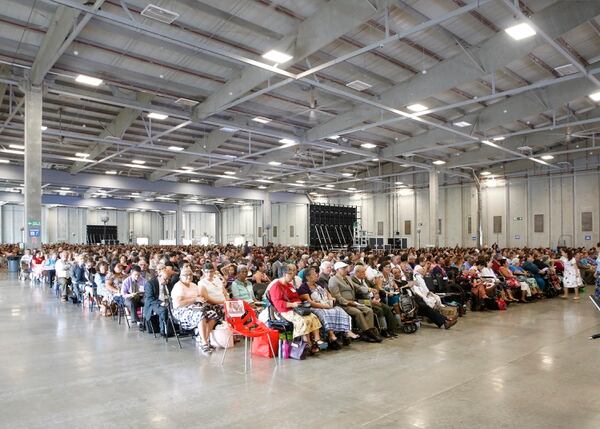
(34, 223)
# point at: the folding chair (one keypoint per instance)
(248, 326)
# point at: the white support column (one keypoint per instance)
(33, 165)
(434, 192)
(266, 219)
(179, 224)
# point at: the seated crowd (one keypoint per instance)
(327, 298)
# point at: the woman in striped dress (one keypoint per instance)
(333, 319)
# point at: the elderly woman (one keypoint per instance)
(513, 282)
(285, 299)
(242, 288)
(333, 319)
(199, 307)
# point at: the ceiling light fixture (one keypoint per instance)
(485, 173)
(352, 189)
(4, 161)
(287, 141)
(194, 181)
(399, 183)
(277, 56)
(138, 161)
(88, 80)
(43, 128)
(110, 172)
(595, 96)
(82, 154)
(368, 145)
(439, 162)
(520, 31)
(274, 163)
(187, 168)
(175, 148)
(15, 152)
(347, 174)
(330, 186)
(261, 120)
(417, 107)
(230, 173)
(547, 157)
(375, 160)
(335, 137)
(158, 116)
(462, 124)
(229, 129)
(16, 146)
(498, 139)
(262, 187)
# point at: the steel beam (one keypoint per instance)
(492, 54)
(116, 128)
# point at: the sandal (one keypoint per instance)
(205, 349)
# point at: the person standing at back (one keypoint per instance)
(63, 269)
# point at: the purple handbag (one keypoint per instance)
(284, 349)
(299, 350)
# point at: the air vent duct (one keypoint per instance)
(358, 85)
(159, 14)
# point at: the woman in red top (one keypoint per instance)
(285, 298)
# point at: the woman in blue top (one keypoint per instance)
(49, 268)
(100, 281)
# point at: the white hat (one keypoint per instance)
(339, 265)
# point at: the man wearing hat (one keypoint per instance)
(342, 289)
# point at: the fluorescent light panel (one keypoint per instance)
(462, 124)
(368, 145)
(277, 56)
(157, 116)
(261, 120)
(417, 107)
(175, 148)
(595, 96)
(520, 31)
(88, 80)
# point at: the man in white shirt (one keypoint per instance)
(429, 302)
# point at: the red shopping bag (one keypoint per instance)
(260, 345)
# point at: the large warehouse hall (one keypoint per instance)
(300, 213)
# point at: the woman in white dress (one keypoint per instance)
(570, 274)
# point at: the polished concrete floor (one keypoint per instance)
(529, 367)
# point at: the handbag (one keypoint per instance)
(299, 349)
(303, 309)
(261, 347)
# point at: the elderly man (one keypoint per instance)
(325, 270)
(369, 295)
(344, 292)
(155, 297)
(429, 302)
(132, 291)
